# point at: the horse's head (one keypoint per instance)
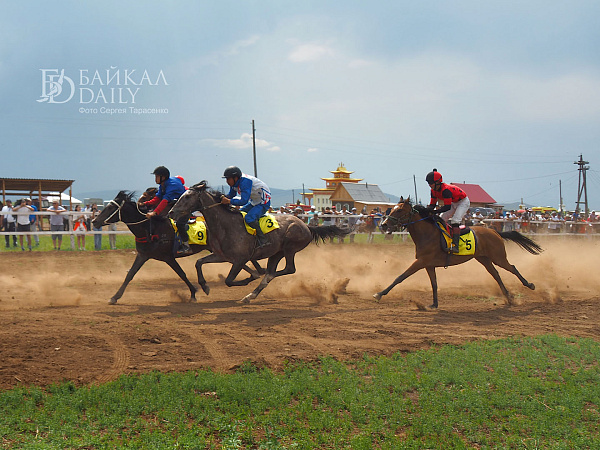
(110, 213)
(148, 194)
(196, 198)
(399, 216)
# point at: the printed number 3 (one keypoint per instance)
(269, 223)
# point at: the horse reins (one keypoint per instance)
(413, 211)
(118, 210)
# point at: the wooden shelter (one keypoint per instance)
(34, 188)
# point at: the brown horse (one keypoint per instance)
(429, 253)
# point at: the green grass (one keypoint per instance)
(517, 393)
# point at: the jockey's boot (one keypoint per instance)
(455, 238)
(261, 239)
(184, 249)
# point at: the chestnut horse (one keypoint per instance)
(425, 234)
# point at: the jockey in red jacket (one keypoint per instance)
(456, 203)
(169, 191)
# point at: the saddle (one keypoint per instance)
(267, 223)
(196, 230)
(467, 242)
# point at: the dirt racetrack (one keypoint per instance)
(55, 323)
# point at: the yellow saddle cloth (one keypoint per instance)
(196, 231)
(466, 242)
(267, 223)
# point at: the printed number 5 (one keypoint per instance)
(468, 244)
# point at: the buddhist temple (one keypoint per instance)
(321, 197)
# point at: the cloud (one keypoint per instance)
(235, 48)
(312, 150)
(302, 53)
(574, 96)
(243, 142)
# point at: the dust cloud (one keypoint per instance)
(566, 269)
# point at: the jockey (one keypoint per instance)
(169, 191)
(252, 195)
(456, 203)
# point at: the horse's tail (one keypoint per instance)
(522, 241)
(327, 231)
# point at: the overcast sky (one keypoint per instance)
(505, 94)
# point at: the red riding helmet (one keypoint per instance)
(433, 176)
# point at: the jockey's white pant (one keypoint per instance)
(457, 211)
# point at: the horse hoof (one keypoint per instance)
(206, 288)
(531, 286)
(246, 299)
(193, 300)
(377, 296)
(112, 301)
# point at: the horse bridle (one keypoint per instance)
(118, 210)
(202, 207)
(405, 225)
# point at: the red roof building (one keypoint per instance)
(477, 195)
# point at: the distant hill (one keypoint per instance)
(279, 196)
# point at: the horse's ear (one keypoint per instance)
(200, 185)
(401, 200)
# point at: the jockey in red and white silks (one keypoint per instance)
(456, 202)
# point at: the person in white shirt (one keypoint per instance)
(9, 223)
(23, 211)
(56, 223)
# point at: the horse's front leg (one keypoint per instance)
(258, 267)
(179, 271)
(414, 267)
(137, 264)
(212, 258)
(434, 287)
(235, 270)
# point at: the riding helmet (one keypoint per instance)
(433, 176)
(162, 171)
(232, 172)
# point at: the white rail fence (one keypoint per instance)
(542, 229)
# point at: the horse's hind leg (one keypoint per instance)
(137, 264)
(512, 269)
(179, 271)
(487, 263)
(272, 273)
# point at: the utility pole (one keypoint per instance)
(582, 187)
(254, 148)
(561, 207)
(415, 183)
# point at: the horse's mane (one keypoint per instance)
(126, 195)
(214, 193)
(423, 211)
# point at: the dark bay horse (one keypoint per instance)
(154, 239)
(489, 248)
(231, 242)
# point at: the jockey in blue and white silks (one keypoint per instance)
(252, 194)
